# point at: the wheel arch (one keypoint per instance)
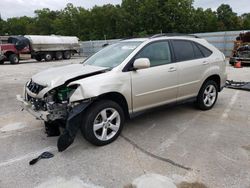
(216, 78)
(8, 53)
(118, 98)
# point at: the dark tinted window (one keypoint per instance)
(197, 52)
(158, 53)
(183, 50)
(206, 52)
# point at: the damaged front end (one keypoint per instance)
(54, 107)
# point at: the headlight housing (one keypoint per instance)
(64, 92)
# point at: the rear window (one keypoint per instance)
(197, 52)
(206, 52)
(183, 50)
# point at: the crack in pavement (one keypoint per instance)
(155, 156)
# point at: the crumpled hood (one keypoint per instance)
(57, 76)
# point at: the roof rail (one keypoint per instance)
(173, 35)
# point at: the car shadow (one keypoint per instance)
(164, 110)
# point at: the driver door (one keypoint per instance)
(157, 84)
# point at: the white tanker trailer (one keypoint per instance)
(52, 47)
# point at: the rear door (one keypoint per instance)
(157, 84)
(192, 65)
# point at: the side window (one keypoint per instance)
(158, 53)
(206, 52)
(183, 50)
(197, 52)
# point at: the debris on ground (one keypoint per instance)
(238, 85)
(44, 155)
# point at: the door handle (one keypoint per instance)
(172, 69)
(205, 62)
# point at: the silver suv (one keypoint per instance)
(130, 76)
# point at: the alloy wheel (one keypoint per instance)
(107, 124)
(209, 95)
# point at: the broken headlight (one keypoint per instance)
(64, 92)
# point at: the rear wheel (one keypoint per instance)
(207, 96)
(67, 55)
(13, 59)
(59, 55)
(103, 122)
(1, 62)
(48, 57)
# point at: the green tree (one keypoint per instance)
(19, 26)
(245, 21)
(227, 19)
(2, 25)
(131, 18)
(204, 20)
(44, 21)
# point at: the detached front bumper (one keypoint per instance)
(41, 115)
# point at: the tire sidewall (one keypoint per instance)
(59, 55)
(67, 55)
(89, 117)
(48, 57)
(12, 59)
(200, 101)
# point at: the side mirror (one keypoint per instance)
(141, 63)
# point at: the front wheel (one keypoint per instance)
(103, 122)
(14, 59)
(207, 96)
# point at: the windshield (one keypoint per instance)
(113, 55)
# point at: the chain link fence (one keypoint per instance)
(224, 41)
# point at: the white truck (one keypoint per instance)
(40, 47)
(49, 47)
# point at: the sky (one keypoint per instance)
(16, 8)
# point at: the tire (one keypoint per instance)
(38, 57)
(66, 55)
(59, 55)
(14, 59)
(95, 114)
(2, 62)
(48, 57)
(207, 96)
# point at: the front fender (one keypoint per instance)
(95, 86)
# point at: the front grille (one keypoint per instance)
(34, 87)
(38, 104)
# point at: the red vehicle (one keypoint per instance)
(12, 50)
